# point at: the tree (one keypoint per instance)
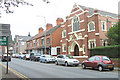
(6, 4)
(114, 34)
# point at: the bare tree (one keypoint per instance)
(6, 4)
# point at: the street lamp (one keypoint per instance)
(45, 29)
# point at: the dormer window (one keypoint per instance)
(76, 23)
(91, 26)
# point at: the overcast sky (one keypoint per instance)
(29, 18)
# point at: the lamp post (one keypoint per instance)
(45, 30)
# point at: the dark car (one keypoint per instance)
(4, 58)
(35, 56)
(100, 62)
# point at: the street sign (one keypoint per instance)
(4, 29)
(3, 41)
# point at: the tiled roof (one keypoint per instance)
(91, 11)
(42, 34)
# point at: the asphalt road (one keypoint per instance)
(33, 69)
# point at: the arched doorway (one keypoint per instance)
(76, 50)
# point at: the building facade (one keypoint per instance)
(46, 41)
(85, 28)
(20, 43)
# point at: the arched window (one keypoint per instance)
(76, 23)
(91, 26)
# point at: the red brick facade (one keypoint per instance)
(53, 37)
(93, 26)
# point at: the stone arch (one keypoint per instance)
(73, 46)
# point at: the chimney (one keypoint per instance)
(95, 10)
(85, 9)
(49, 26)
(59, 21)
(40, 30)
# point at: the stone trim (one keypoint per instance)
(76, 31)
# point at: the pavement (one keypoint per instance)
(10, 76)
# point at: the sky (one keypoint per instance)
(27, 19)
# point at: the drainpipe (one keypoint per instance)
(51, 42)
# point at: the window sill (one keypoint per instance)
(91, 31)
(104, 30)
(63, 51)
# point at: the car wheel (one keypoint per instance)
(100, 68)
(56, 63)
(66, 64)
(111, 69)
(83, 66)
(76, 65)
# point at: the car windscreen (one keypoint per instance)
(69, 57)
(105, 58)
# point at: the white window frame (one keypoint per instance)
(104, 41)
(89, 26)
(76, 16)
(113, 24)
(38, 42)
(63, 49)
(30, 44)
(105, 25)
(64, 31)
(91, 40)
(33, 42)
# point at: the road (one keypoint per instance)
(33, 69)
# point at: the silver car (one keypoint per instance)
(66, 60)
(47, 58)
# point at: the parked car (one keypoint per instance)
(21, 56)
(26, 57)
(4, 58)
(100, 62)
(35, 56)
(47, 58)
(13, 55)
(16, 55)
(66, 60)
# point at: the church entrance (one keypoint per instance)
(76, 50)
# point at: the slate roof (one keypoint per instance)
(42, 34)
(91, 11)
(23, 38)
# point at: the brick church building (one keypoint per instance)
(85, 28)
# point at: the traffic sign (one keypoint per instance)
(3, 41)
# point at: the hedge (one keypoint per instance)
(110, 51)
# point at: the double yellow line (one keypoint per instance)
(16, 73)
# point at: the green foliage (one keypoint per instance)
(114, 35)
(110, 51)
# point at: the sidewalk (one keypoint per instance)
(9, 76)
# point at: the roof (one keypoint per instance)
(105, 13)
(42, 34)
(23, 38)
